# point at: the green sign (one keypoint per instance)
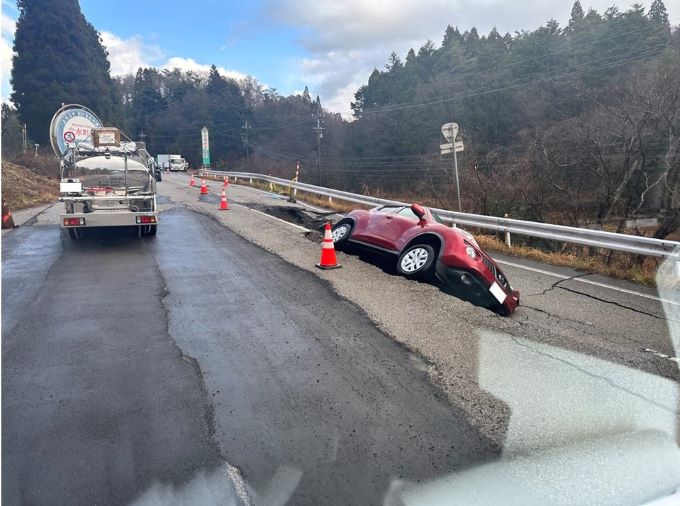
(205, 143)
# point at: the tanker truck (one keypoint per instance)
(105, 180)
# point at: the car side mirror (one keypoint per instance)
(418, 210)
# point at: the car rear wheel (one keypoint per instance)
(416, 261)
(340, 234)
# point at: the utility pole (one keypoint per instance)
(24, 139)
(319, 130)
(246, 127)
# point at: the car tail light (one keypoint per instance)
(142, 220)
(74, 222)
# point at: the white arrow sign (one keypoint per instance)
(450, 131)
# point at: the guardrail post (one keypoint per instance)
(330, 199)
(508, 242)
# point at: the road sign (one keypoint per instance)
(205, 144)
(448, 148)
(450, 131)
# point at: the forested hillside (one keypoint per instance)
(575, 124)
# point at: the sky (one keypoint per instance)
(329, 46)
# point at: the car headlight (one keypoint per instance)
(471, 252)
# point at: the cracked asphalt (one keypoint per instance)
(256, 375)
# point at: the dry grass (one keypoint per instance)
(22, 188)
(622, 266)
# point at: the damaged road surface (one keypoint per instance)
(196, 366)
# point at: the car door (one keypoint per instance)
(390, 231)
(372, 232)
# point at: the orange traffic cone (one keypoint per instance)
(328, 260)
(224, 205)
(7, 219)
(192, 182)
(204, 188)
(226, 182)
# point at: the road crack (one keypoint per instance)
(618, 304)
(556, 284)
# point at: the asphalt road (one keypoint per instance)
(214, 364)
(133, 366)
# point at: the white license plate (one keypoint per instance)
(498, 292)
(70, 187)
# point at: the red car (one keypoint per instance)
(426, 248)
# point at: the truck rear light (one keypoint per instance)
(74, 222)
(142, 220)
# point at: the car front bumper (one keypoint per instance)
(473, 286)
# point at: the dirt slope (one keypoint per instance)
(23, 188)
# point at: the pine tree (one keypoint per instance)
(306, 97)
(658, 14)
(59, 58)
(147, 99)
(577, 15)
(410, 57)
(227, 112)
(393, 63)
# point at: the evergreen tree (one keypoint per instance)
(306, 97)
(147, 101)
(393, 63)
(410, 57)
(227, 112)
(577, 15)
(59, 58)
(658, 14)
(451, 37)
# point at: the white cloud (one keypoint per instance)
(187, 64)
(356, 24)
(7, 29)
(7, 26)
(347, 40)
(127, 55)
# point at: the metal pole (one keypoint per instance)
(318, 159)
(455, 169)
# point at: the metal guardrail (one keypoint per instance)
(595, 238)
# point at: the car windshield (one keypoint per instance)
(437, 218)
(408, 213)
